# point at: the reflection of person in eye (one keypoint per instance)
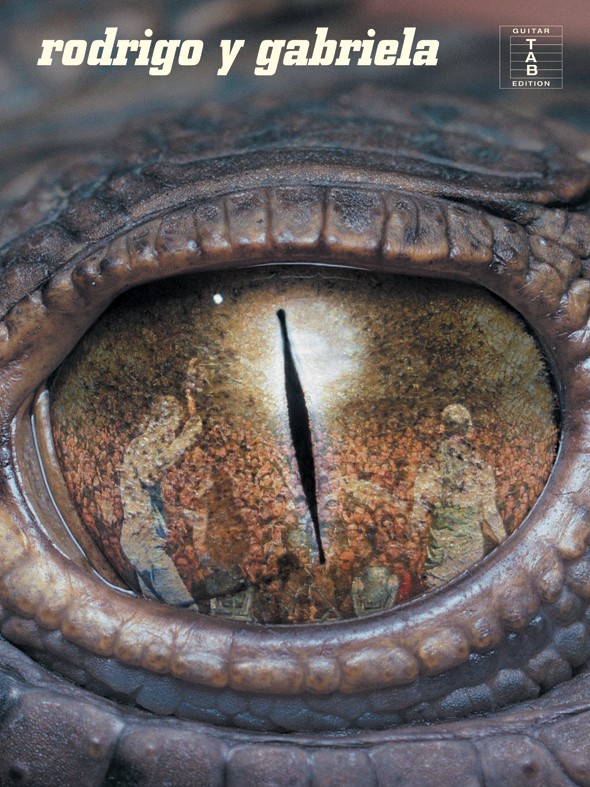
(454, 509)
(144, 530)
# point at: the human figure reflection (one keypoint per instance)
(378, 551)
(144, 530)
(454, 502)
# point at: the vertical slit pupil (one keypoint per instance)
(300, 432)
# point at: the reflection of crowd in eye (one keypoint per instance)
(373, 537)
(392, 464)
(235, 511)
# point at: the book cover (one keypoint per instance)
(294, 392)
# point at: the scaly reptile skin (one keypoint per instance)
(371, 178)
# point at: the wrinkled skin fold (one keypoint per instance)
(375, 179)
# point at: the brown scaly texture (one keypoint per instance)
(380, 181)
(393, 193)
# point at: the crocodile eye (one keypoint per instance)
(296, 444)
(447, 423)
(350, 445)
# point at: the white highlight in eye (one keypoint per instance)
(326, 348)
(218, 298)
